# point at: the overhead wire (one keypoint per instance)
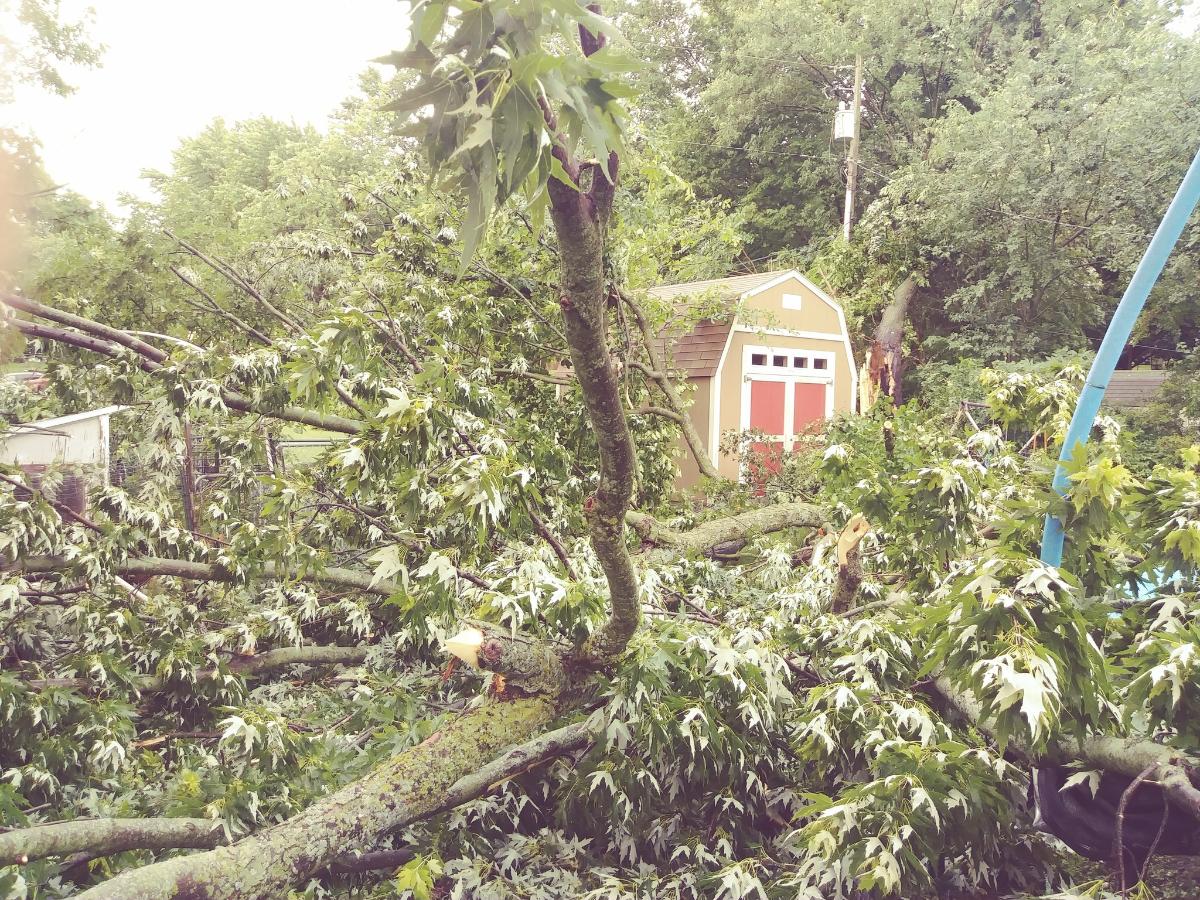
(831, 157)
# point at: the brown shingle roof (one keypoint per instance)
(1134, 387)
(697, 352)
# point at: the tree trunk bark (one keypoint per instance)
(727, 530)
(579, 221)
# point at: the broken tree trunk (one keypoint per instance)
(850, 570)
(885, 362)
(410, 786)
(102, 837)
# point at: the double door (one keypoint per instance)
(784, 397)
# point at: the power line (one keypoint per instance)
(777, 152)
(788, 63)
(1175, 350)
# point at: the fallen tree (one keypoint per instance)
(748, 724)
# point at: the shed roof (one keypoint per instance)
(1134, 387)
(732, 287)
(697, 353)
(61, 421)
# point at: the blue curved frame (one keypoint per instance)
(1148, 270)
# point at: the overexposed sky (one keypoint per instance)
(171, 66)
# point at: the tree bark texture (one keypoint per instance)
(727, 530)
(102, 837)
(402, 790)
(579, 218)
(107, 836)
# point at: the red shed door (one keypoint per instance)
(767, 406)
(768, 411)
(809, 409)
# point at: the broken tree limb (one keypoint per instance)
(728, 530)
(410, 786)
(107, 836)
(239, 281)
(850, 570)
(885, 360)
(151, 566)
(105, 332)
(103, 837)
(1130, 756)
(98, 338)
(74, 339)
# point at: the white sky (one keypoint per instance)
(172, 66)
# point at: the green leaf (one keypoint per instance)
(418, 57)
(560, 174)
(428, 16)
(606, 59)
(426, 93)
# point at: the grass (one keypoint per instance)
(306, 455)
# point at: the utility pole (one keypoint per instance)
(852, 161)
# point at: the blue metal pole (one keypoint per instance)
(1119, 329)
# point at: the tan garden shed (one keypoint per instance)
(779, 363)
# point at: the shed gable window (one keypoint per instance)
(782, 361)
(792, 301)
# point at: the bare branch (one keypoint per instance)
(549, 537)
(657, 372)
(106, 332)
(217, 308)
(96, 340)
(237, 280)
(74, 339)
(241, 664)
(107, 836)
(150, 566)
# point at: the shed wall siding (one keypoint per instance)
(78, 443)
(766, 310)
